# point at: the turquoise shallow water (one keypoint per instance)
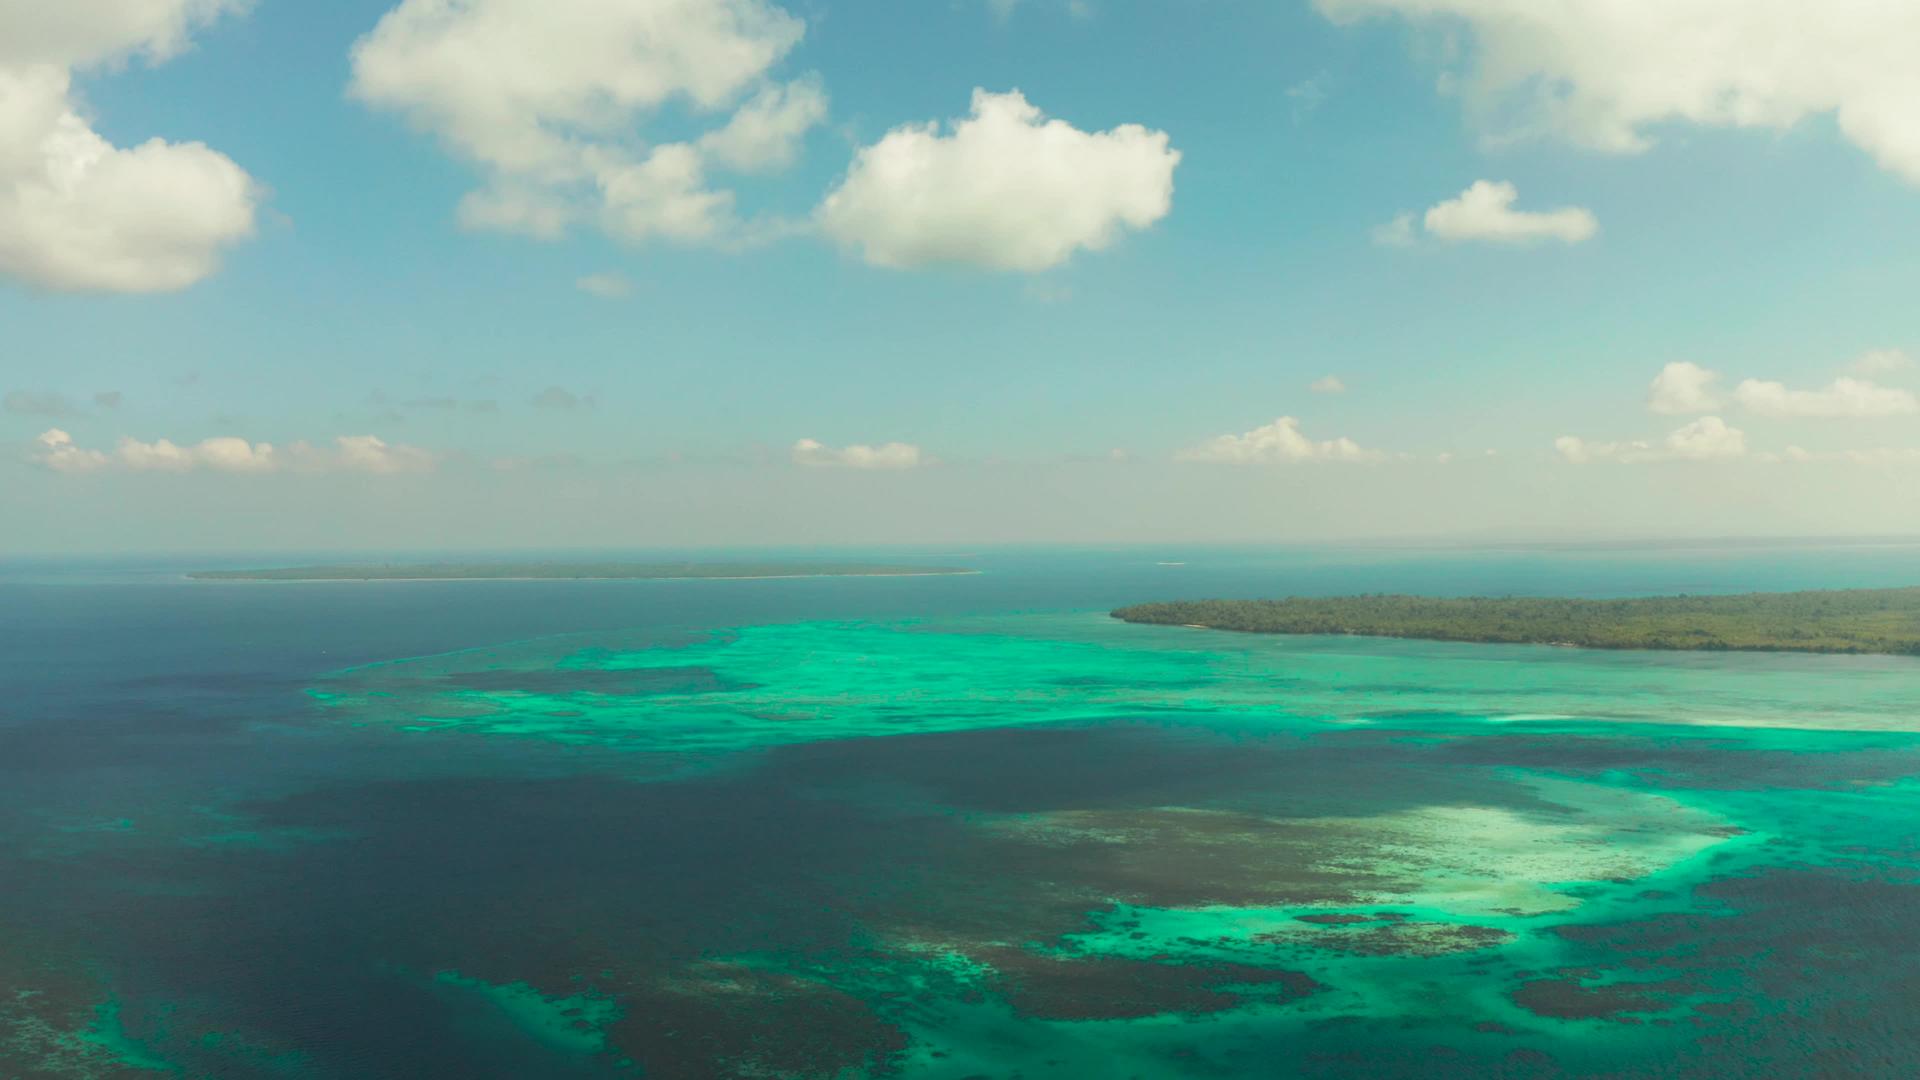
(753, 686)
(951, 845)
(1470, 893)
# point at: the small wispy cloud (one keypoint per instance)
(894, 455)
(1485, 213)
(1398, 233)
(1002, 10)
(1306, 97)
(30, 403)
(560, 399)
(1881, 362)
(606, 286)
(1046, 292)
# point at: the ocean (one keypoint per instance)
(945, 827)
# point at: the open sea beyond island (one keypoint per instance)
(946, 826)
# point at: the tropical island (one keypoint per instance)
(1883, 621)
(572, 571)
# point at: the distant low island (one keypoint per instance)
(558, 571)
(1885, 621)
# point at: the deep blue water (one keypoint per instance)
(163, 776)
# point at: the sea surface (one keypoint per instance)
(945, 827)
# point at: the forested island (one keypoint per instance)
(1836, 621)
(570, 571)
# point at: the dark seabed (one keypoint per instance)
(945, 827)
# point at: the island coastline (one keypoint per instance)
(1842, 622)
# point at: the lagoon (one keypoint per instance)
(943, 827)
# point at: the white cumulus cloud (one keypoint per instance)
(1485, 212)
(1399, 233)
(1845, 397)
(1280, 442)
(1707, 439)
(1683, 387)
(1328, 384)
(1602, 73)
(77, 212)
(56, 450)
(893, 455)
(1005, 189)
(548, 97)
(362, 453)
(219, 454)
(81, 32)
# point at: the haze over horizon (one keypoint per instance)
(379, 276)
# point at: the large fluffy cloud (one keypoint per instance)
(55, 449)
(80, 32)
(546, 96)
(77, 212)
(893, 455)
(1706, 439)
(1604, 72)
(1005, 189)
(1280, 442)
(1843, 398)
(1485, 212)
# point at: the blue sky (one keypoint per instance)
(1770, 239)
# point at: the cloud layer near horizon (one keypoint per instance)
(1845, 397)
(57, 450)
(1684, 387)
(1278, 443)
(894, 455)
(1706, 439)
